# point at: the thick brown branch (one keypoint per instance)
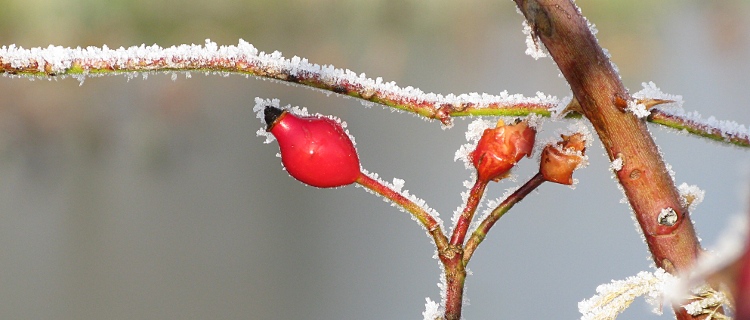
(597, 87)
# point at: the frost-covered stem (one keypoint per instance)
(455, 276)
(597, 87)
(464, 220)
(481, 232)
(424, 217)
(57, 62)
(703, 129)
(244, 59)
(449, 255)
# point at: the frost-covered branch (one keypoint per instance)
(613, 298)
(720, 130)
(245, 59)
(426, 216)
(603, 99)
(488, 221)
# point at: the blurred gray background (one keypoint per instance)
(154, 199)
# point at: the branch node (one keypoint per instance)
(540, 20)
(667, 217)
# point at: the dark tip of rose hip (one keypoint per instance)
(270, 115)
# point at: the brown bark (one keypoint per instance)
(597, 87)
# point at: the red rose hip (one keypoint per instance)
(315, 150)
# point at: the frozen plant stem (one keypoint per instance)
(450, 255)
(464, 220)
(56, 62)
(597, 87)
(424, 218)
(481, 232)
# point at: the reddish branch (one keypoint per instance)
(597, 87)
(464, 220)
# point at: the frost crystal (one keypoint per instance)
(616, 164)
(432, 310)
(260, 105)
(242, 58)
(690, 195)
(613, 298)
(473, 134)
(491, 205)
(533, 46)
(639, 110)
(651, 91)
(397, 186)
(709, 302)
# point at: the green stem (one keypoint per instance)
(697, 128)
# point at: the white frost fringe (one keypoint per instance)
(613, 298)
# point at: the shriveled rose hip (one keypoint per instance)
(559, 161)
(314, 150)
(500, 148)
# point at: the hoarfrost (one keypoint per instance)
(638, 109)
(397, 186)
(491, 206)
(711, 302)
(240, 58)
(432, 310)
(533, 46)
(616, 164)
(260, 105)
(727, 128)
(651, 91)
(473, 134)
(690, 195)
(613, 298)
(592, 27)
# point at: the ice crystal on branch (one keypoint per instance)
(616, 164)
(432, 310)
(534, 48)
(613, 298)
(708, 303)
(651, 91)
(244, 58)
(638, 109)
(397, 187)
(690, 195)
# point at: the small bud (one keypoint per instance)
(314, 150)
(500, 148)
(559, 161)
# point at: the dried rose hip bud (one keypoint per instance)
(499, 149)
(315, 150)
(559, 161)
